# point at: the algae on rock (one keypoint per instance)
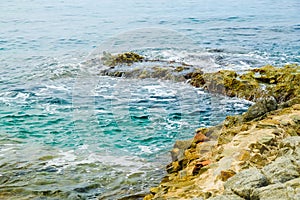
(127, 58)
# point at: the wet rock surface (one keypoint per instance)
(282, 84)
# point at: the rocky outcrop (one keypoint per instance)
(127, 58)
(282, 84)
(250, 156)
(257, 159)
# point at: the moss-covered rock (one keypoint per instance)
(228, 83)
(282, 83)
(126, 58)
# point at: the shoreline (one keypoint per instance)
(253, 160)
(245, 156)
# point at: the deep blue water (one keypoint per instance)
(67, 133)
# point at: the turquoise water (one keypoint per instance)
(66, 133)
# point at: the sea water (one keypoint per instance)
(67, 133)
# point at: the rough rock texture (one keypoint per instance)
(245, 182)
(127, 58)
(281, 170)
(277, 191)
(260, 108)
(261, 155)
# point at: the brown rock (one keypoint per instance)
(148, 197)
(154, 190)
(244, 155)
(173, 167)
(204, 147)
(199, 165)
(258, 160)
(226, 174)
(200, 137)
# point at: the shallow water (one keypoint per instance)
(113, 142)
(66, 133)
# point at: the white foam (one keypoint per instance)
(61, 87)
(144, 149)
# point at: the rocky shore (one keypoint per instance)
(255, 155)
(257, 159)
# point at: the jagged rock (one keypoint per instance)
(148, 197)
(270, 192)
(200, 137)
(287, 86)
(291, 143)
(293, 188)
(3, 179)
(226, 136)
(196, 78)
(281, 170)
(290, 148)
(226, 174)
(173, 167)
(124, 58)
(260, 144)
(205, 147)
(177, 153)
(267, 81)
(289, 103)
(229, 83)
(154, 190)
(244, 182)
(244, 155)
(231, 121)
(288, 190)
(199, 166)
(260, 108)
(182, 144)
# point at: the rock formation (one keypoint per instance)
(251, 156)
(255, 155)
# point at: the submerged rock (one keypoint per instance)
(282, 84)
